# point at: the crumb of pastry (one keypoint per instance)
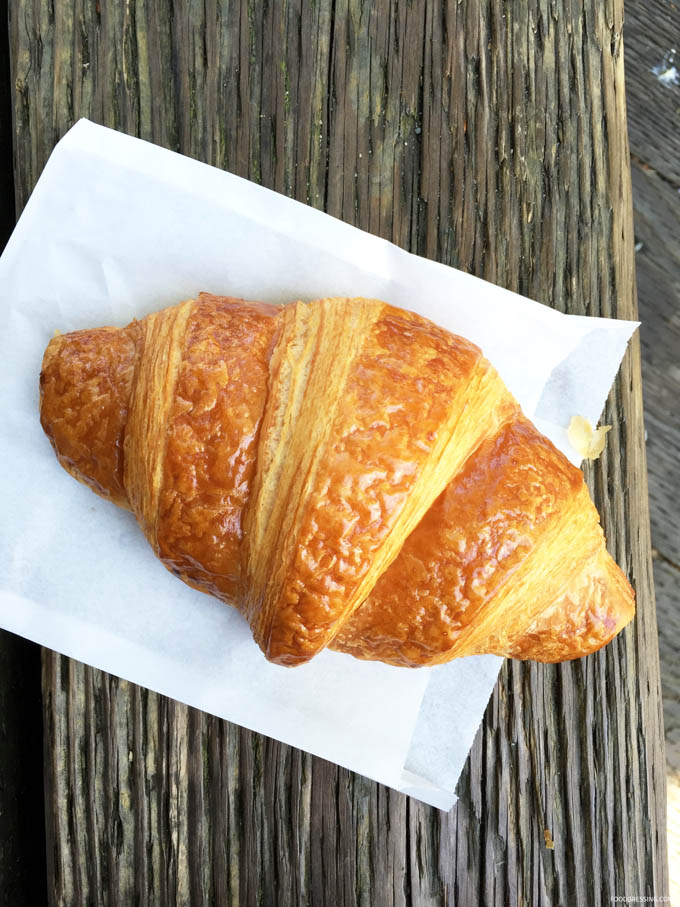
(549, 843)
(588, 441)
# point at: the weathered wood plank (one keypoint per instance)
(486, 135)
(667, 584)
(22, 838)
(666, 579)
(7, 213)
(653, 84)
(657, 222)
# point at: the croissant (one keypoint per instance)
(345, 473)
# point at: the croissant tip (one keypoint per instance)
(286, 659)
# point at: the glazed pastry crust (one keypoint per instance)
(85, 387)
(345, 473)
(211, 442)
(516, 526)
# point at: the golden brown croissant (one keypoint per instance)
(345, 473)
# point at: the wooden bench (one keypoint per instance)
(489, 136)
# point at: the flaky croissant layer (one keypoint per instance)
(345, 473)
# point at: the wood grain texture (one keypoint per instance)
(657, 222)
(22, 847)
(489, 136)
(657, 219)
(653, 84)
(666, 582)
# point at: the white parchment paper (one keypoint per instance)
(117, 228)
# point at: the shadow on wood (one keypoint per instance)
(22, 806)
